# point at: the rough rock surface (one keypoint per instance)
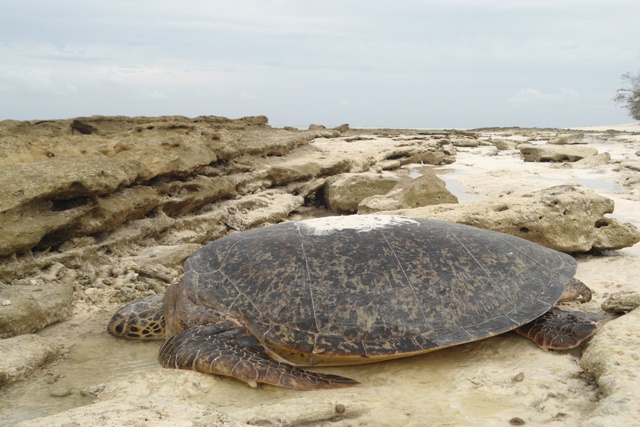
(100, 173)
(344, 192)
(555, 153)
(23, 354)
(302, 411)
(593, 161)
(503, 144)
(140, 411)
(616, 370)
(26, 306)
(425, 190)
(633, 165)
(622, 302)
(565, 218)
(564, 139)
(106, 176)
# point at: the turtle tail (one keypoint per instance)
(237, 354)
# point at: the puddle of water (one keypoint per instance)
(600, 184)
(459, 190)
(448, 176)
(591, 183)
(93, 358)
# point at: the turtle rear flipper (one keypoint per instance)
(231, 353)
(561, 330)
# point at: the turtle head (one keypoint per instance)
(140, 319)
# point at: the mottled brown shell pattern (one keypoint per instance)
(325, 292)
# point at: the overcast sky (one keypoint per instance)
(373, 63)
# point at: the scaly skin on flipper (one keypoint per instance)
(561, 330)
(233, 353)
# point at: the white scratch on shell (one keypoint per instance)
(359, 223)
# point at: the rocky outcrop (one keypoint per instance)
(564, 218)
(610, 358)
(631, 165)
(344, 192)
(425, 190)
(26, 306)
(22, 355)
(621, 302)
(555, 153)
(103, 172)
(600, 159)
(118, 170)
(565, 139)
(465, 142)
(503, 144)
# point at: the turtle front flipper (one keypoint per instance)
(561, 330)
(235, 353)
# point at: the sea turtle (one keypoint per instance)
(259, 305)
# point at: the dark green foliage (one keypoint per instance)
(629, 97)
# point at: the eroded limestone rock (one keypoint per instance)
(593, 161)
(612, 358)
(104, 172)
(565, 218)
(23, 354)
(68, 178)
(555, 153)
(425, 190)
(564, 139)
(504, 144)
(621, 302)
(344, 192)
(29, 305)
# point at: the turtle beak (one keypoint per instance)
(122, 326)
(117, 326)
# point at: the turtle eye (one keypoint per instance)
(119, 328)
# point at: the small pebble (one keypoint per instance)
(340, 409)
(518, 378)
(516, 421)
(6, 302)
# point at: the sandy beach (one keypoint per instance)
(500, 381)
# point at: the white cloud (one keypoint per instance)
(34, 81)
